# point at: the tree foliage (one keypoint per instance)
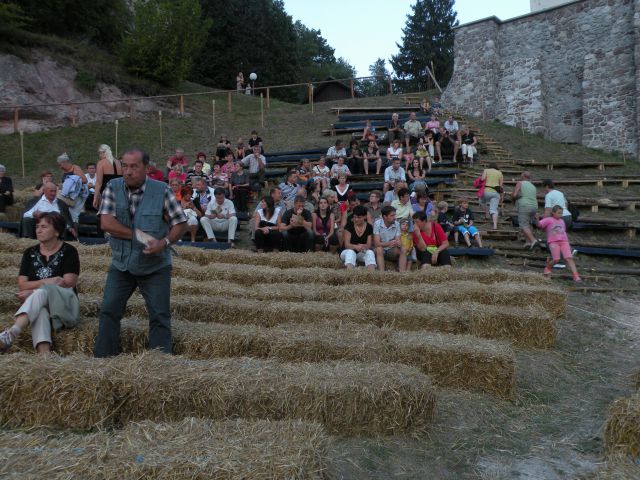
(100, 21)
(12, 19)
(166, 37)
(377, 86)
(428, 37)
(259, 36)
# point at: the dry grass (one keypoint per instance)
(346, 397)
(249, 275)
(622, 431)
(503, 293)
(524, 326)
(246, 257)
(451, 360)
(190, 449)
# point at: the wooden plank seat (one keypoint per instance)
(400, 108)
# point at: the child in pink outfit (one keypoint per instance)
(558, 242)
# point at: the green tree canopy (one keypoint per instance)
(100, 21)
(165, 38)
(428, 37)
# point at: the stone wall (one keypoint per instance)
(568, 73)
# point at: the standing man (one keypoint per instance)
(130, 203)
(256, 163)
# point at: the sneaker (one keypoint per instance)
(559, 265)
(6, 339)
(577, 279)
(546, 272)
(574, 253)
(533, 245)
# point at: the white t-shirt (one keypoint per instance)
(227, 207)
(394, 152)
(391, 175)
(321, 171)
(556, 197)
(43, 206)
(451, 127)
(273, 218)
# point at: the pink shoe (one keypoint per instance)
(546, 272)
(577, 279)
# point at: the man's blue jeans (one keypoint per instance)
(156, 290)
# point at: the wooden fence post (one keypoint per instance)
(116, 152)
(229, 102)
(311, 96)
(182, 105)
(16, 120)
(160, 123)
(353, 93)
(131, 114)
(72, 114)
(262, 109)
(268, 98)
(213, 116)
(22, 152)
(390, 86)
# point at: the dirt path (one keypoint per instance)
(552, 430)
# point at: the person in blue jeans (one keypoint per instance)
(463, 223)
(132, 204)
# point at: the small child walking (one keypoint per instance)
(558, 242)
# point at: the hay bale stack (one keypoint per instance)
(550, 299)
(622, 431)
(452, 360)
(524, 326)
(346, 397)
(247, 257)
(249, 275)
(190, 449)
(9, 243)
(70, 392)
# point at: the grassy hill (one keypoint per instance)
(287, 126)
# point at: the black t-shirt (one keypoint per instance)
(467, 215)
(443, 220)
(286, 217)
(468, 138)
(257, 141)
(35, 266)
(359, 240)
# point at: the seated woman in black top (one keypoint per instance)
(358, 238)
(6, 190)
(267, 218)
(324, 224)
(48, 276)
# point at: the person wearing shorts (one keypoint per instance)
(558, 242)
(492, 191)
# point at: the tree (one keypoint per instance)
(100, 21)
(12, 19)
(316, 57)
(166, 37)
(377, 86)
(428, 37)
(256, 36)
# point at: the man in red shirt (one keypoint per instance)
(178, 158)
(154, 173)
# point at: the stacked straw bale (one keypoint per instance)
(622, 431)
(190, 449)
(524, 326)
(82, 393)
(458, 292)
(451, 360)
(249, 275)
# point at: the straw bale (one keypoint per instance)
(247, 257)
(250, 275)
(451, 360)
(622, 431)
(616, 467)
(58, 392)
(503, 293)
(9, 243)
(524, 326)
(346, 397)
(189, 449)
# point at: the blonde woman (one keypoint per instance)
(107, 169)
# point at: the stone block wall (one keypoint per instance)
(568, 73)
